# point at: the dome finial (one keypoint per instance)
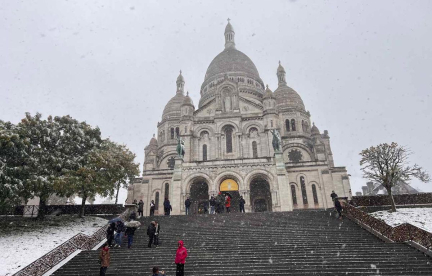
(229, 35)
(180, 83)
(281, 74)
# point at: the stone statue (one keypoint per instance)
(276, 140)
(180, 147)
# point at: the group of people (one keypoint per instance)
(117, 230)
(180, 260)
(140, 206)
(217, 204)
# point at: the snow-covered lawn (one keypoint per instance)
(25, 240)
(420, 217)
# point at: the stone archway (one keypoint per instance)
(260, 194)
(199, 195)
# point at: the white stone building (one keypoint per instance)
(228, 144)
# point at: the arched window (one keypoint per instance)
(303, 126)
(177, 131)
(204, 152)
(293, 193)
(303, 190)
(315, 195)
(185, 129)
(287, 125)
(157, 201)
(254, 149)
(293, 125)
(228, 139)
(167, 190)
(271, 123)
(172, 133)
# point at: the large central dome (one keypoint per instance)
(234, 64)
(231, 60)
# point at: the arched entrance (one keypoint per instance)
(199, 195)
(260, 195)
(231, 187)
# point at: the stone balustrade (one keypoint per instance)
(61, 252)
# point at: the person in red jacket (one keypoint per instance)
(180, 258)
(227, 203)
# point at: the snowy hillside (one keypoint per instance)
(25, 240)
(420, 217)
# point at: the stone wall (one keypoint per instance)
(380, 200)
(95, 209)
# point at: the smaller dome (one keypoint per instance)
(315, 130)
(286, 97)
(268, 93)
(172, 108)
(187, 100)
(153, 141)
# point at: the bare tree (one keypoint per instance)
(388, 164)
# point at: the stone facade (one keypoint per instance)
(228, 137)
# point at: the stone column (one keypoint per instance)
(175, 187)
(285, 197)
(240, 151)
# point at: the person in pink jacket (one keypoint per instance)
(180, 258)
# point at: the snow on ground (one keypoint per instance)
(420, 217)
(25, 240)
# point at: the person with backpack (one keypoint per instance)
(120, 228)
(130, 231)
(104, 259)
(151, 230)
(180, 258)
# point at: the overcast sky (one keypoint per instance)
(362, 68)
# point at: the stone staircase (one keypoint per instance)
(292, 243)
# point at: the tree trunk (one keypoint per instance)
(42, 207)
(390, 194)
(82, 206)
(118, 189)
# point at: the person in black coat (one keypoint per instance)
(338, 207)
(130, 232)
(187, 205)
(167, 207)
(242, 204)
(140, 208)
(120, 228)
(151, 230)
(212, 205)
(110, 234)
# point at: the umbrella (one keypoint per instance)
(133, 223)
(115, 220)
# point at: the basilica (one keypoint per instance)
(228, 145)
